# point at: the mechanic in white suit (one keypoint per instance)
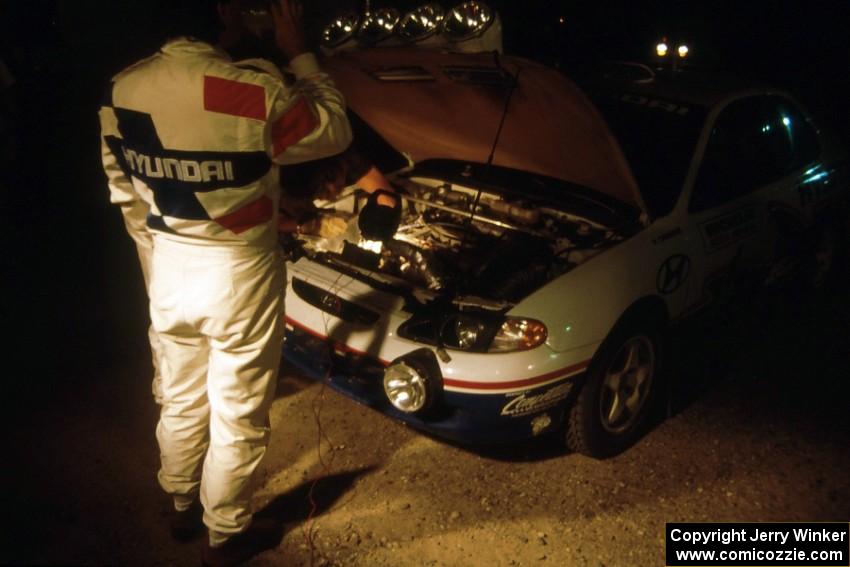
(191, 140)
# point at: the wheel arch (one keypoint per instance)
(650, 308)
(582, 433)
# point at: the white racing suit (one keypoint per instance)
(191, 140)
(135, 220)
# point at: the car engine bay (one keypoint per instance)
(460, 240)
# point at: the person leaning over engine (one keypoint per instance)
(325, 179)
(193, 138)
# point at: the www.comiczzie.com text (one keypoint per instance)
(823, 544)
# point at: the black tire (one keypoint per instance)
(595, 427)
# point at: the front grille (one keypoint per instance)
(333, 304)
(325, 356)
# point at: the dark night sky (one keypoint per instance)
(802, 45)
(781, 35)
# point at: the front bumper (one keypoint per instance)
(463, 417)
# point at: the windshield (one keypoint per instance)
(658, 138)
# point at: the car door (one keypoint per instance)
(748, 163)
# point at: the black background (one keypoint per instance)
(73, 298)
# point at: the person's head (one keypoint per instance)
(204, 20)
(317, 179)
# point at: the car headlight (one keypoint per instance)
(482, 332)
(421, 23)
(378, 25)
(467, 20)
(518, 333)
(340, 30)
(477, 331)
(412, 383)
(468, 332)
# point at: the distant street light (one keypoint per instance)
(662, 50)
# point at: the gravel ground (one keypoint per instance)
(758, 432)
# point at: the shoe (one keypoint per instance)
(188, 524)
(262, 534)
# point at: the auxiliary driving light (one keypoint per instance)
(378, 25)
(421, 23)
(468, 20)
(412, 383)
(340, 30)
(473, 27)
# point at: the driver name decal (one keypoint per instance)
(728, 229)
(525, 404)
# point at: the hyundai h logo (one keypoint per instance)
(331, 303)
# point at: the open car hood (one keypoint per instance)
(434, 104)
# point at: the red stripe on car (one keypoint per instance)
(251, 215)
(296, 123)
(524, 383)
(234, 98)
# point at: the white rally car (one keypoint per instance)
(537, 264)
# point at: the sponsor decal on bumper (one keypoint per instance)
(528, 403)
(466, 416)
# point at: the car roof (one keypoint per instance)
(693, 87)
(433, 104)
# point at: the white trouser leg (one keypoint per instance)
(218, 313)
(242, 379)
(182, 431)
(156, 356)
(145, 259)
(135, 220)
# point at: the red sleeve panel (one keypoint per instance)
(234, 98)
(247, 217)
(295, 124)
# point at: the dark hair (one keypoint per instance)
(305, 179)
(197, 19)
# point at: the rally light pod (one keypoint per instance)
(340, 32)
(473, 27)
(413, 383)
(377, 26)
(422, 25)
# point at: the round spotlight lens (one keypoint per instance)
(683, 51)
(661, 49)
(340, 30)
(405, 387)
(421, 23)
(468, 20)
(378, 25)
